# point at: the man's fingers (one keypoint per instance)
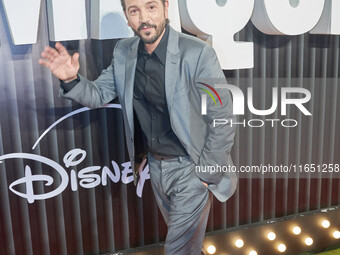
(51, 52)
(45, 55)
(205, 184)
(45, 63)
(75, 57)
(42, 62)
(61, 49)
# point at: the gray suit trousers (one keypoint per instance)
(184, 202)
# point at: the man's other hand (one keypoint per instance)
(60, 62)
(205, 184)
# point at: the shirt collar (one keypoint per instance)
(161, 48)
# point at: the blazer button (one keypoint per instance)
(132, 140)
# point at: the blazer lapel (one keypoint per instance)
(171, 67)
(130, 68)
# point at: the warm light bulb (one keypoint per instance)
(239, 243)
(297, 230)
(253, 253)
(271, 236)
(308, 241)
(336, 234)
(325, 224)
(281, 247)
(211, 249)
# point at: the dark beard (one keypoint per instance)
(159, 31)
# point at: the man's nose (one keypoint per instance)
(144, 16)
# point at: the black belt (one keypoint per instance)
(162, 157)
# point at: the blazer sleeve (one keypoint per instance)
(96, 93)
(219, 139)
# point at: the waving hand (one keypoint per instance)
(60, 62)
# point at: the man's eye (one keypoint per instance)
(133, 11)
(152, 7)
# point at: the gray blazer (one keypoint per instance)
(189, 61)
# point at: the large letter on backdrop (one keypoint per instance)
(287, 17)
(330, 20)
(221, 19)
(108, 20)
(66, 20)
(23, 19)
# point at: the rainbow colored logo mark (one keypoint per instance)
(209, 93)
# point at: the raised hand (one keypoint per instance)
(62, 65)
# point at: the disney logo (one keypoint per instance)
(86, 177)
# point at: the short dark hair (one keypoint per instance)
(124, 7)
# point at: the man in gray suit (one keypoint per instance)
(159, 77)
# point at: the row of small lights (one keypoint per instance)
(239, 243)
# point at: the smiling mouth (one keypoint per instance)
(146, 27)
